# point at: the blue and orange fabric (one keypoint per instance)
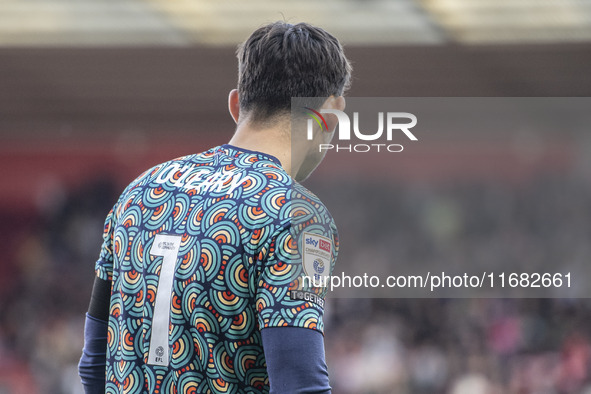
(240, 222)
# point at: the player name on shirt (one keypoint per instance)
(202, 180)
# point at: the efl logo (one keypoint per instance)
(324, 246)
(393, 123)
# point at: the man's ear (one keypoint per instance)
(333, 102)
(234, 104)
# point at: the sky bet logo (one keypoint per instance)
(311, 241)
(320, 243)
(395, 122)
(324, 245)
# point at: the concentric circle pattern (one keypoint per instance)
(239, 219)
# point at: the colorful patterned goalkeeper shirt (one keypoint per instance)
(204, 251)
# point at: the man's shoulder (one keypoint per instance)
(302, 193)
(306, 205)
(169, 167)
(221, 169)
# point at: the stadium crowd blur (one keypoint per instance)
(160, 63)
(374, 345)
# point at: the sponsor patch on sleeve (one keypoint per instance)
(316, 258)
(307, 296)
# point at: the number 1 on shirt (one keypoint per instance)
(166, 246)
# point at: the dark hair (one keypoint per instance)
(279, 61)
